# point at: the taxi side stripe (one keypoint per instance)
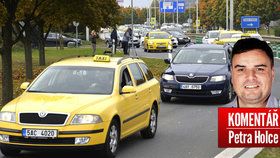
(10, 130)
(133, 117)
(82, 132)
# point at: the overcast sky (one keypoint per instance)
(136, 3)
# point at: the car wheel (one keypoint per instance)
(145, 50)
(112, 140)
(9, 152)
(138, 46)
(151, 130)
(165, 98)
(229, 95)
(107, 44)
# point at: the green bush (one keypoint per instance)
(277, 31)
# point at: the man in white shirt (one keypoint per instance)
(253, 72)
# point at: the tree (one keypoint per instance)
(10, 7)
(41, 14)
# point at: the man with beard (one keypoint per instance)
(252, 74)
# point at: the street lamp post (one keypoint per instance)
(163, 11)
(196, 22)
(155, 11)
(231, 15)
(76, 24)
(226, 14)
(132, 22)
(177, 12)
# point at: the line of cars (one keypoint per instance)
(85, 102)
(223, 37)
(203, 70)
(152, 40)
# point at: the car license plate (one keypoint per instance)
(39, 133)
(193, 87)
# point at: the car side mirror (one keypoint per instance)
(167, 61)
(128, 89)
(24, 85)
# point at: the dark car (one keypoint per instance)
(182, 38)
(199, 70)
(53, 40)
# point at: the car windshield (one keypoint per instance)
(159, 36)
(227, 35)
(200, 56)
(75, 79)
(175, 33)
(213, 34)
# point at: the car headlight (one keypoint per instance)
(150, 42)
(170, 42)
(86, 119)
(7, 116)
(168, 77)
(218, 78)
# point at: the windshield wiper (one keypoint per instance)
(35, 91)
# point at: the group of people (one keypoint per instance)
(114, 38)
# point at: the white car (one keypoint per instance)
(210, 37)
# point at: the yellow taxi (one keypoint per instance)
(228, 37)
(157, 40)
(253, 34)
(82, 102)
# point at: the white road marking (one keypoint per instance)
(251, 153)
(229, 152)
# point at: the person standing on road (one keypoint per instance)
(114, 39)
(126, 37)
(93, 41)
(252, 68)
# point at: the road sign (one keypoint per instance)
(76, 23)
(153, 21)
(250, 21)
(167, 7)
(181, 7)
(197, 23)
(171, 7)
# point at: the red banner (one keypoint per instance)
(248, 127)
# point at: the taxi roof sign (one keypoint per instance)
(101, 58)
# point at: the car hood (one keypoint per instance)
(205, 69)
(64, 103)
(225, 40)
(159, 40)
